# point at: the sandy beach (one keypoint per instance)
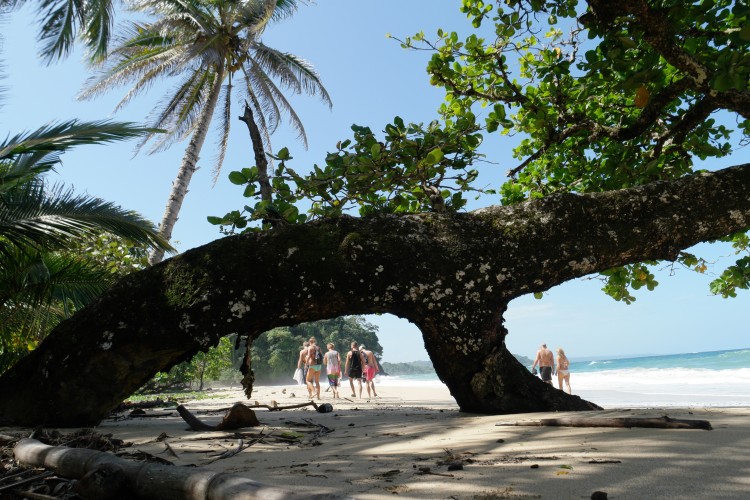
(412, 442)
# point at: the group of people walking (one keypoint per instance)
(360, 366)
(546, 361)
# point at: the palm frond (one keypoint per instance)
(293, 72)
(258, 91)
(178, 114)
(55, 138)
(259, 117)
(285, 106)
(224, 127)
(274, 103)
(142, 59)
(39, 279)
(192, 10)
(61, 20)
(14, 174)
(286, 8)
(37, 291)
(31, 216)
(98, 30)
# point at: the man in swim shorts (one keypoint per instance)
(546, 361)
(371, 369)
(353, 367)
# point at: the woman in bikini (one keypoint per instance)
(315, 364)
(563, 371)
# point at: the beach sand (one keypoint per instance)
(404, 442)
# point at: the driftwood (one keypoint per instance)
(145, 480)
(275, 406)
(238, 416)
(656, 423)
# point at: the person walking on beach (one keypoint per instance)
(563, 369)
(315, 365)
(546, 361)
(332, 360)
(369, 372)
(353, 367)
(302, 361)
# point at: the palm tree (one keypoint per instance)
(207, 43)
(42, 278)
(62, 21)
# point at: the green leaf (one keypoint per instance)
(283, 154)
(237, 178)
(375, 151)
(433, 157)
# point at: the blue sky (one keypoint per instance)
(371, 80)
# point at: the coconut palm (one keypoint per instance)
(41, 279)
(205, 44)
(62, 22)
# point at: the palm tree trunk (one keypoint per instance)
(187, 169)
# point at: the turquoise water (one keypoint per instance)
(713, 360)
(716, 378)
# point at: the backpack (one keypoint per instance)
(318, 356)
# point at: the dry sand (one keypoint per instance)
(403, 443)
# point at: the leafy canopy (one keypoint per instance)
(602, 96)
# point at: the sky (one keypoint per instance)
(371, 79)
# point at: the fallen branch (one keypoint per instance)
(657, 423)
(237, 416)
(274, 406)
(170, 450)
(229, 453)
(144, 480)
(21, 482)
(138, 413)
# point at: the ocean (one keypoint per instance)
(717, 378)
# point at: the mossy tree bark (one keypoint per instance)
(450, 274)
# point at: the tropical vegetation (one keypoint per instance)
(614, 104)
(274, 354)
(213, 48)
(602, 98)
(47, 270)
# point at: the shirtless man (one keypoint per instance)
(546, 361)
(371, 368)
(302, 360)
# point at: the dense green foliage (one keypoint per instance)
(409, 368)
(603, 96)
(274, 354)
(45, 275)
(218, 364)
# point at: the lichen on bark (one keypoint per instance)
(450, 274)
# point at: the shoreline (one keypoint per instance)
(402, 444)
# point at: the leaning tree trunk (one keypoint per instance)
(259, 153)
(453, 275)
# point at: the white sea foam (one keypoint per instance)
(664, 387)
(400, 381)
(639, 387)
